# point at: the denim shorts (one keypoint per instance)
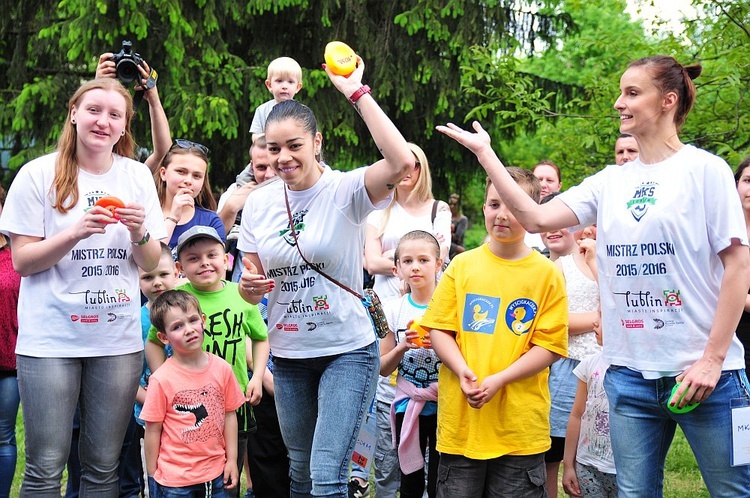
(563, 385)
(209, 489)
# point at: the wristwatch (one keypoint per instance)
(146, 238)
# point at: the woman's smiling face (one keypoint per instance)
(292, 150)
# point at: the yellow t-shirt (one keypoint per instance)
(498, 309)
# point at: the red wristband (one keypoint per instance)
(358, 94)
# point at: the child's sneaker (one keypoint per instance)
(357, 490)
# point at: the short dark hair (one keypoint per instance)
(168, 300)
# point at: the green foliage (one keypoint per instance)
(212, 56)
(574, 123)
(540, 74)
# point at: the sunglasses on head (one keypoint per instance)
(187, 144)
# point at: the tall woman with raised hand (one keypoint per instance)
(325, 355)
(79, 337)
(674, 269)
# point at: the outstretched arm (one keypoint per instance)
(382, 177)
(534, 217)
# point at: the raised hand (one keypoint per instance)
(475, 142)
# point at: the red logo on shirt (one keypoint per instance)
(633, 324)
(74, 318)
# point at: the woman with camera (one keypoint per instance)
(320, 334)
(79, 336)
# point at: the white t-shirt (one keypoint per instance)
(399, 311)
(261, 115)
(400, 222)
(88, 303)
(534, 240)
(308, 316)
(594, 443)
(661, 228)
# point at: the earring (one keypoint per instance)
(123, 133)
(73, 121)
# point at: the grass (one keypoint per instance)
(681, 477)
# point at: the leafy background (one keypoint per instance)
(540, 75)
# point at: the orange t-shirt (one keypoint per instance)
(191, 405)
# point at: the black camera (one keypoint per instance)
(127, 62)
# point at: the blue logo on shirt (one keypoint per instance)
(644, 196)
(480, 313)
(520, 315)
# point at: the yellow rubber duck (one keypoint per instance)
(479, 315)
(518, 326)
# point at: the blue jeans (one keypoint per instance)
(9, 400)
(105, 389)
(642, 428)
(505, 476)
(209, 489)
(321, 403)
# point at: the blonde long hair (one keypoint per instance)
(64, 192)
(422, 190)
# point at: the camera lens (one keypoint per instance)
(127, 70)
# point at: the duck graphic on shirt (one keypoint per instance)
(518, 326)
(520, 315)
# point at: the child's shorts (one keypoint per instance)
(518, 476)
(208, 489)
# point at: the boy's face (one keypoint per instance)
(158, 280)
(499, 221)
(204, 263)
(283, 87)
(183, 330)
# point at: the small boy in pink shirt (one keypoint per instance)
(191, 426)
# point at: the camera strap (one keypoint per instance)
(313, 265)
(150, 83)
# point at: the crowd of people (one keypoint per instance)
(218, 337)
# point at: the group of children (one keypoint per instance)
(191, 398)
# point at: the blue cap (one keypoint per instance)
(197, 232)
